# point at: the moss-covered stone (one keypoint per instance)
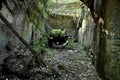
(64, 15)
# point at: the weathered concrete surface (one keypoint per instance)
(113, 39)
(64, 15)
(59, 21)
(3, 38)
(20, 23)
(3, 29)
(86, 30)
(64, 1)
(106, 41)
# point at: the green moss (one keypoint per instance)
(71, 9)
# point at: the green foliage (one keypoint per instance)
(57, 31)
(44, 2)
(36, 11)
(50, 54)
(41, 44)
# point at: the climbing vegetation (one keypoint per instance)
(40, 45)
(37, 11)
(34, 9)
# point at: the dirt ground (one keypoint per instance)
(72, 64)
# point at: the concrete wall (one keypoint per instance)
(64, 1)
(20, 23)
(58, 21)
(86, 31)
(113, 39)
(106, 39)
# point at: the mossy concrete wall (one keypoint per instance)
(105, 44)
(20, 23)
(57, 21)
(113, 39)
(86, 30)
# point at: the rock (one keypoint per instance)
(70, 51)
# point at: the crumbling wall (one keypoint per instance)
(19, 21)
(113, 39)
(86, 30)
(106, 37)
(57, 21)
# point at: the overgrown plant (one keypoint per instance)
(50, 54)
(37, 11)
(36, 14)
(41, 44)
